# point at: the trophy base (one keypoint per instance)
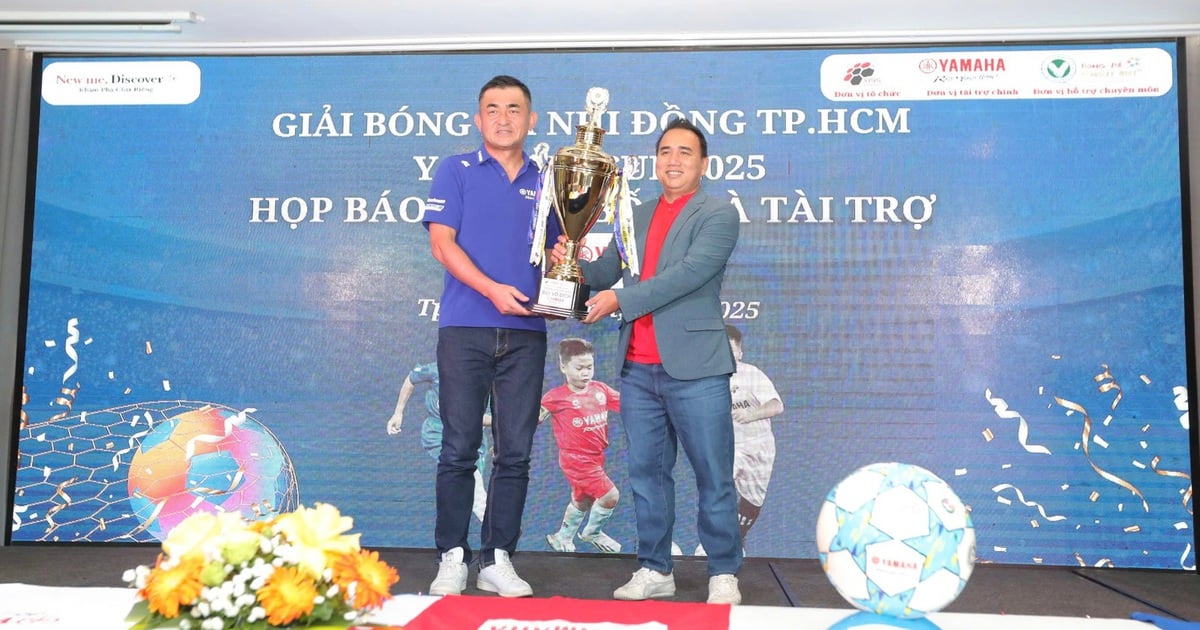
(562, 298)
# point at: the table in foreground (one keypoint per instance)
(98, 608)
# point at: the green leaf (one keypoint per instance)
(140, 614)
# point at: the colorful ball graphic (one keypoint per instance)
(895, 540)
(209, 459)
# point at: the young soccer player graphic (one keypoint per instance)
(426, 375)
(755, 402)
(580, 411)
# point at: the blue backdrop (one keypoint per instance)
(991, 288)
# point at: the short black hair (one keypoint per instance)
(734, 333)
(686, 125)
(572, 347)
(506, 81)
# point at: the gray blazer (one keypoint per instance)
(685, 292)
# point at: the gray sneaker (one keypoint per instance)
(501, 578)
(723, 589)
(452, 574)
(646, 584)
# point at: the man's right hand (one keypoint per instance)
(508, 300)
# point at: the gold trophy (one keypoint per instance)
(579, 184)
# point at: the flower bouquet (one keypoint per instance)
(299, 569)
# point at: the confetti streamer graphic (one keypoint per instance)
(59, 492)
(1087, 440)
(66, 398)
(1102, 562)
(1187, 495)
(1111, 385)
(1021, 497)
(1002, 410)
(69, 348)
(24, 415)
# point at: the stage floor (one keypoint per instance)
(992, 590)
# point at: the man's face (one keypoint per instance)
(579, 370)
(504, 118)
(679, 166)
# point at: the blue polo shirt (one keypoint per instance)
(491, 215)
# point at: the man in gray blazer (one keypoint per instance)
(676, 363)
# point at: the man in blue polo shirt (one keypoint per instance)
(489, 343)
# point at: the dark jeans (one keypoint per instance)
(659, 413)
(475, 364)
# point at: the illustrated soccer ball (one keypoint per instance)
(895, 540)
(130, 473)
(209, 459)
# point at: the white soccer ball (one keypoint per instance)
(895, 540)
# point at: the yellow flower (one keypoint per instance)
(372, 578)
(260, 527)
(316, 532)
(193, 532)
(287, 596)
(168, 589)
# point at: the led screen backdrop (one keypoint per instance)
(966, 258)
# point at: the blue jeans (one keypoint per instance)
(659, 412)
(476, 364)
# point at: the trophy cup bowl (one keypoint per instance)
(582, 178)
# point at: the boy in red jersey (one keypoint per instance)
(580, 409)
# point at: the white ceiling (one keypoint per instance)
(371, 25)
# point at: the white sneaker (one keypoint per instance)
(603, 542)
(646, 584)
(558, 544)
(723, 589)
(501, 578)
(452, 574)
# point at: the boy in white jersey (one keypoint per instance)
(580, 409)
(755, 402)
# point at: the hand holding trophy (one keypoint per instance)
(579, 184)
